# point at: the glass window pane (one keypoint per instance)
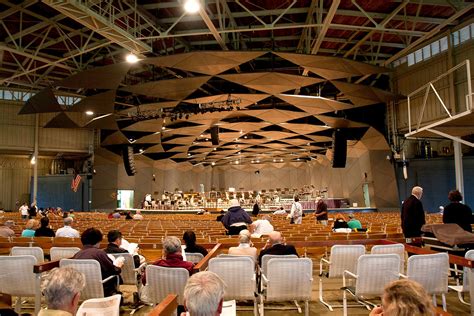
(464, 34)
(444, 43)
(435, 48)
(426, 52)
(418, 56)
(455, 38)
(472, 30)
(411, 59)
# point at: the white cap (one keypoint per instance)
(234, 202)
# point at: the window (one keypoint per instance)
(455, 38)
(426, 52)
(411, 59)
(443, 43)
(435, 48)
(464, 34)
(418, 56)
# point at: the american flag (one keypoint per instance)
(75, 182)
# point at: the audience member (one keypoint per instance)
(32, 211)
(276, 246)
(220, 216)
(128, 215)
(116, 214)
(404, 298)
(296, 212)
(30, 228)
(91, 239)
(245, 247)
(189, 238)
(354, 223)
(281, 211)
(261, 227)
(236, 218)
(138, 216)
(6, 230)
(114, 237)
(24, 211)
(457, 212)
(67, 230)
(204, 294)
(62, 290)
(339, 222)
(44, 230)
(256, 209)
(321, 213)
(71, 213)
(412, 215)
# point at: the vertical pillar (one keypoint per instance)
(458, 166)
(35, 155)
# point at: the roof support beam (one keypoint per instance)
(205, 17)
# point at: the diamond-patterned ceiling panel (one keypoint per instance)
(314, 104)
(107, 77)
(101, 103)
(362, 95)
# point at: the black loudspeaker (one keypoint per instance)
(339, 146)
(129, 160)
(215, 135)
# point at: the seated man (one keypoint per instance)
(276, 246)
(261, 227)
(91, 239)
(67, 230)
(62, 290)
(115, 241)
(204, 294)
(6, 230)
(245, 247)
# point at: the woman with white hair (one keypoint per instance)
(245, 246)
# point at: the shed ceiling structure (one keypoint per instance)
(289, 72)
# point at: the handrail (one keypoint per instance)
(204, 261)
(167, 306)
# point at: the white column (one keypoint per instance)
(35, 155)
(458, 166)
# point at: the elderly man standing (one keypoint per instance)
(67, 230)
(6, 230)
(413, 215)
(62, 290)
(204, 294)
(276, 246)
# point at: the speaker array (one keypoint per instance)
(129, 160)
(339, 149)
(215, 135)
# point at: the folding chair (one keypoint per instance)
(162, 281)
(464, 287)
(398, 249)
(58, 253)
(374, 272)
(37, 252)
(194, 257)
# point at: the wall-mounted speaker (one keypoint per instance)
(339, 147)
(129, 160)
(215, 135)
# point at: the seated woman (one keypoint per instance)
(340, 222)
(245, 246)
(189, 238)
(30, 228)
(44, 230)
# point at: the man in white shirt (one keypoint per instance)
(138, 216)
(24, 211)
(67, 230)
(261, 227)
(296, 213)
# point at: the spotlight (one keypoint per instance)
(131, 58)
(33, 160)
(213, 163)
(192, 6)
(89, 113)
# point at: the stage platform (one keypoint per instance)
(249, 210)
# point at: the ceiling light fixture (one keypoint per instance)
(89, 113)
(33, 160)
(213, 163)
(192, 6)
(131, 58)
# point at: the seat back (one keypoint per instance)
(267, 258)
(431, 271)
(106, 306)
(194, 257)
(129, 275)
(344, 257)
(289, 279)
(58, 253)
(91, 270)
(374, 272)
(37, 252)
(163, 281)
(16, 275)
(398, 249)
(238, 274)
(465, 280)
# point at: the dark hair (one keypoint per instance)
(44, 221)
(113, 235)
(91, 236)
(189, 238)
(454, 196)
(297, 199)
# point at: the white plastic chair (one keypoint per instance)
(106, 306)
(267, 258)
(374, 272)
(91, 270)
(58, 253)
(431, 271)
(194, 257)
(17, 277)
(37, 252)
(239, 276)
(398, 249)
(464, 287)
(288, 279)
(162, 281)
(341, 258)
(129, 273)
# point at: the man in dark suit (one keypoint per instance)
(276, 246)
(413, 215)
